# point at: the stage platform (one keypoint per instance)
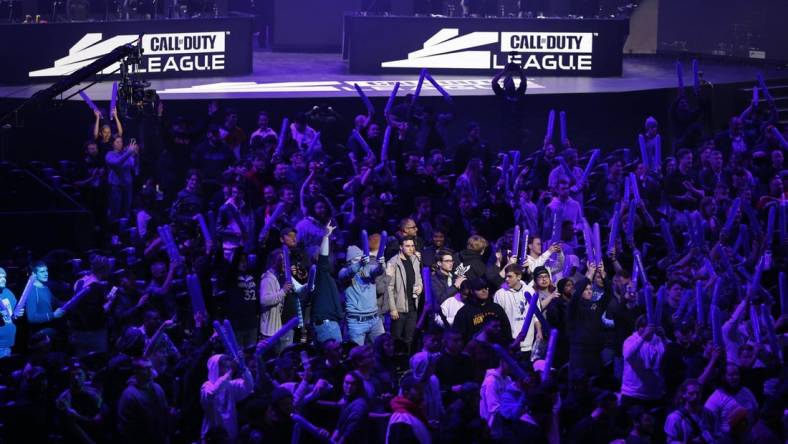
(303, 76)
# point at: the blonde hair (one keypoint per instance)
(476, 243)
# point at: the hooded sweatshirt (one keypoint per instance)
(407, 422)
(585, 317)
(471, 317)
(218, 396)
(515, 304)
(493, 386)
(419, 364)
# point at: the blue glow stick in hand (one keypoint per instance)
(206, 233)
(89, 102)
(644, 151)
(627, 190)
(589, 166)
(770, 227)
(630, 228)
(597, 244)
(418, 87)
(384, 150)
(634, 187)
(755, 98)
(756, 325)
(550, 356)
(614, 227)
(364, 145)
(282, 134)
(681, 311)
(779, 136)
(762, 84)
(274, 339)
(550, 125)
(365, 243)
(436, 85)
(384, 237)
(516, 242)
(564, 132)
(774, 343)
(195, 295)
(523, 247)
(514, 367)
(529, 315)
(223, 337)
(365, 99)
(235, 350)
(390, 102)
(286, 265)
(657, 164)
(647, 298)
(76, 298)
(715, 294)
(588, 242)
(310, 428)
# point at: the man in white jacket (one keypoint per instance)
(220, 393)
(513, 296)
(496, 381)
(642, 382)
(272, 298)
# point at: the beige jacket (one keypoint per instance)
(395, 270)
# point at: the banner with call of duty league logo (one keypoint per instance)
(546, 47)
(171, 48)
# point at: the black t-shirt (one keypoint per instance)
(410, 282)
(242, 302)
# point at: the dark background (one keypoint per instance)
(724, 28)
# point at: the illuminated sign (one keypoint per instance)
(549, 51)
(162, 53)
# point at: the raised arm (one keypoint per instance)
(303, 191)
(117, 122)
(97, 124)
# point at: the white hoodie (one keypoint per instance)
(218, 396)
(515, 304)
(493, 386)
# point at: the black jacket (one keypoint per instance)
(326, 302)
(471, 317)
(584, 317)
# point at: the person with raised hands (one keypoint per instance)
(228, 383)
(584, 316)
(327, 311)
(361, 303)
